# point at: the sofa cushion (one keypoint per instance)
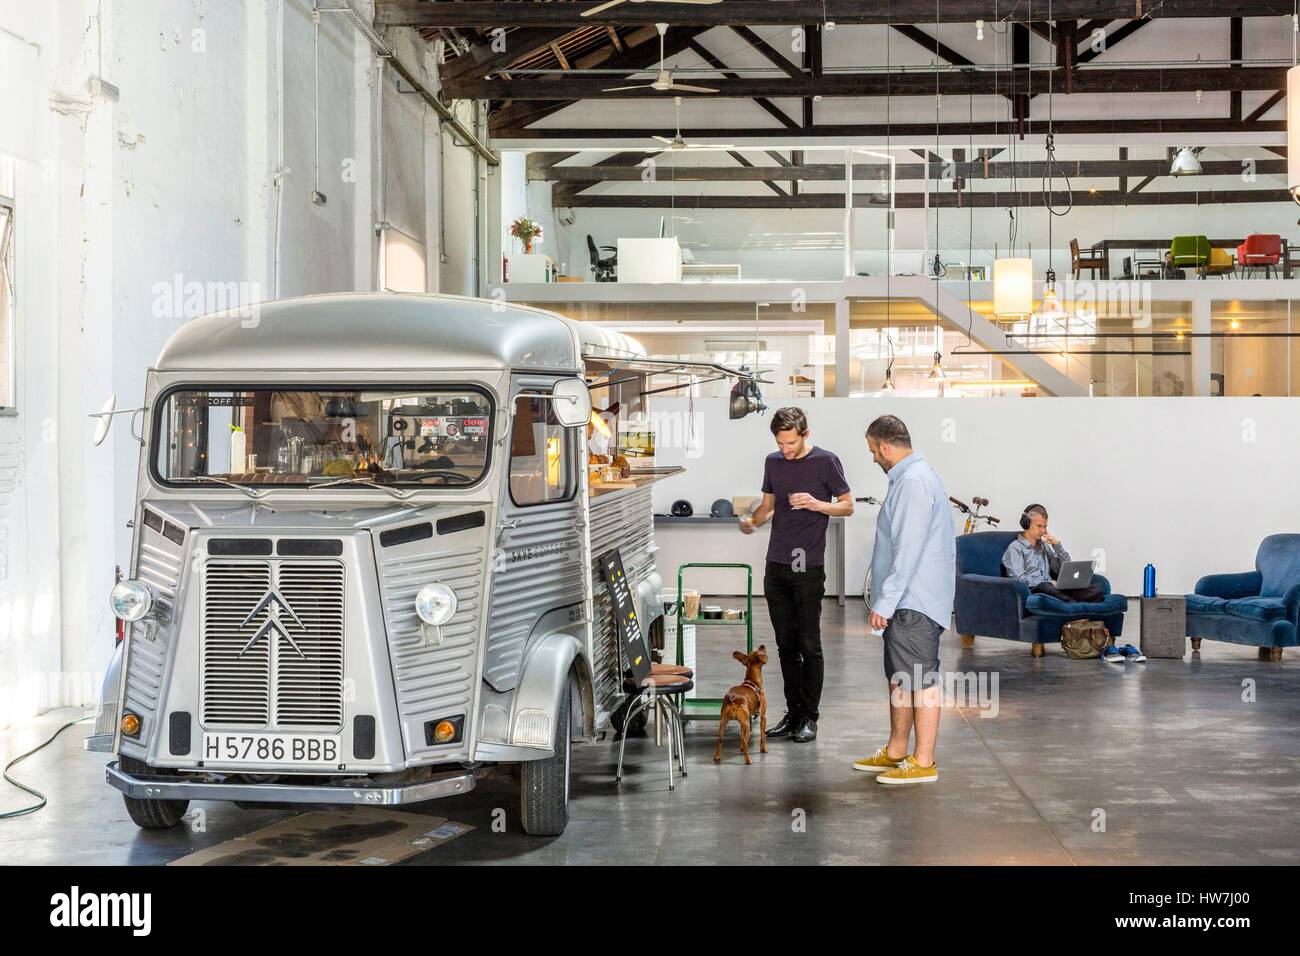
(1044, 605)
(1204, 604)
(1258, 609)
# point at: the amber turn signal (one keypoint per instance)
(444, 731)
(130, 725)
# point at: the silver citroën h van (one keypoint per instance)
(365, 557)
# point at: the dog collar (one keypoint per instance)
(749, 683)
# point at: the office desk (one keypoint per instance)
(649, 260)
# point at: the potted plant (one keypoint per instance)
(526, 231)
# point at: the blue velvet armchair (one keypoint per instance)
(991, 604)
(1260, 608)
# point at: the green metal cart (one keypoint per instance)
(694, 708)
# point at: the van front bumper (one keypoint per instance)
(169, 788)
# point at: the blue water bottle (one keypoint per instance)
(1149, 581)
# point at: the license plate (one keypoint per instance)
(255, 750)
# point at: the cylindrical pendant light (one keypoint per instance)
(1013, 287)
(1293, 132)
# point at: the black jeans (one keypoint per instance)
(794, 603)
(1088, 595)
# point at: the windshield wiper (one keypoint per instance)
(251, 492)
(364, 480)
(436, 473)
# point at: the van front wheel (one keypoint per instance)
(150, 814)
(544, 784)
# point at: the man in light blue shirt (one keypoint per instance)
(913, 579)
(1035, 558)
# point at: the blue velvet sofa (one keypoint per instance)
(1260, 608)
(991, 604)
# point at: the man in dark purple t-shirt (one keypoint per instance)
(803, 488)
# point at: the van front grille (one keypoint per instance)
(272, 645)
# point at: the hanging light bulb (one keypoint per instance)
(1013, 287)
(936, 370)
(1051, 305)
(1185, 163)
(888, 384)
(1293, 132)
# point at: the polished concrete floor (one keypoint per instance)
(1168, 762)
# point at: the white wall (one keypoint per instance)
(137, 214)
(30, 520)
(1189, 484)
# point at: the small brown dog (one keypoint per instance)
(743, 701)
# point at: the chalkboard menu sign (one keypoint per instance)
(631, 640)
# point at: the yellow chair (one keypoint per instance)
(1221, 263)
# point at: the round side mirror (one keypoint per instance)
(572, 401)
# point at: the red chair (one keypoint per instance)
(1260, 252)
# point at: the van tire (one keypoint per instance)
(544, 784)
(150, 814)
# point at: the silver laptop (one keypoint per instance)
(1074, 574)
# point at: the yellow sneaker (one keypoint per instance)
(877, 762)
(908, 771)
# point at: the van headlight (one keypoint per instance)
(130, 600)
(435, 604)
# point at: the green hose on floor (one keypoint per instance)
(41, 798)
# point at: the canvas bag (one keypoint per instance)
(1082, 640)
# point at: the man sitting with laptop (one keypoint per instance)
(1042, 562)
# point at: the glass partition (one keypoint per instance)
(893, 346)
(790, 345)
(691, 213)
(973, 203)
(1253, 353)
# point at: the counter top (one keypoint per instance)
(631, 482)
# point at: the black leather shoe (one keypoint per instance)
(806, 731)
(785, 727)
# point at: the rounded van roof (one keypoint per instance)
(362, 331)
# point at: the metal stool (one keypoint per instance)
(658, 691)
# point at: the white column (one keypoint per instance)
(842, 383)
(364, 244)
(1202, 348)
(260, 40)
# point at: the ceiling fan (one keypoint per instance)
(664, 81)
(677, 143)
(613, 3)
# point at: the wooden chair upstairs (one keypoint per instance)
(1095, 261)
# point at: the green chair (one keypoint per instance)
(1190, 252)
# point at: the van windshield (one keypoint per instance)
(315, 436)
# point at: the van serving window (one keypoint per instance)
(434, 437)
